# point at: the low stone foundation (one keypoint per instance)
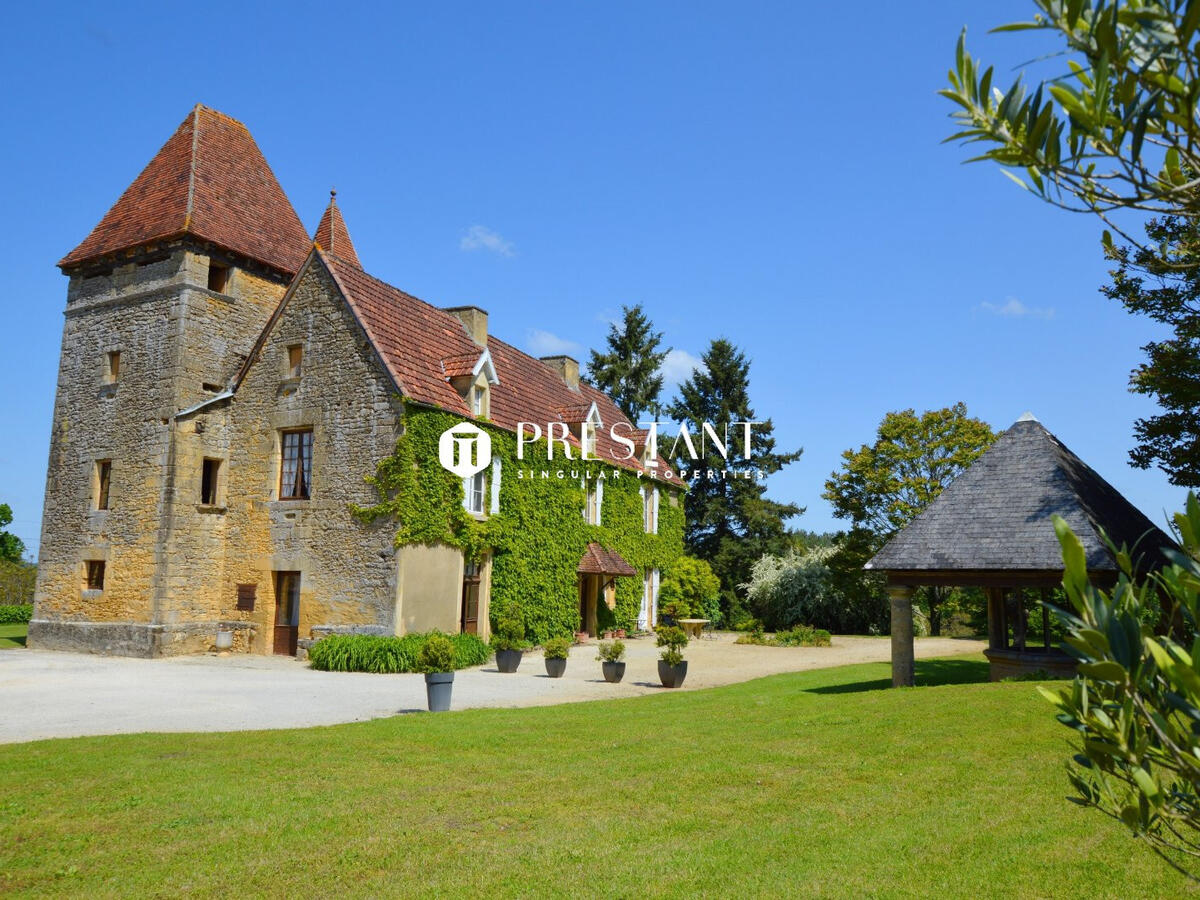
(134, 639)
(1015, 663)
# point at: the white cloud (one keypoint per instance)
(479, 237)
(678, 366)
(544, 343)
(1012, 308)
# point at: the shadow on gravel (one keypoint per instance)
(927, 673)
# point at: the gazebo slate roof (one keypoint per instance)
(996, 516)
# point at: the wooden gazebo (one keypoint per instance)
(992, 528)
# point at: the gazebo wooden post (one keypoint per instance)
(902, 634)
(995, 617)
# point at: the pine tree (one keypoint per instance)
(730, 521)
(629, 370)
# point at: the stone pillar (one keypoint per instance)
(902, 635)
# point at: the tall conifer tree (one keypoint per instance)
(730, 521)
(629, 370)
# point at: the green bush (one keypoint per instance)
(387, 654)
(556, 648)
(16, 614)
(611, 651)
(800, 636)
(510, 632)
(674, 639)
(437, 655)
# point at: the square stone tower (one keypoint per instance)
(167, 296)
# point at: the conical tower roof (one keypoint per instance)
(996, 516)
(211, 182)
(332, 235)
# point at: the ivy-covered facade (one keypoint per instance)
(538, 534)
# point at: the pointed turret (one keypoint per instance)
(332, 235)
(210, 182)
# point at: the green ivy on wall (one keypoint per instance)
(539, 535)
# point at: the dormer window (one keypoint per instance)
(479, 401)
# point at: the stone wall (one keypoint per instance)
(348, 569)
(179, 345)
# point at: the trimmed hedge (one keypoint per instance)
(387, 655)
(800, 636)
(16, 614)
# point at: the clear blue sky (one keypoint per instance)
(770, 173)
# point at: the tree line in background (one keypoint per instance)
(766, 575)
(17, 577)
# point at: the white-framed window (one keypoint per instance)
(650, 509)
(495, 486)
(648, 613)
(479, 401)
(474, 491)
(594, 492)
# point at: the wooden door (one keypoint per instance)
(287, 612)
(469, 621)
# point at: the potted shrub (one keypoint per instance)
(509, 642)
(612, 659)
(436, 660)
(672, 667)
(555, 652)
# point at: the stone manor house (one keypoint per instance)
(226, 386)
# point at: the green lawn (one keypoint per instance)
(814, 784)
(13, 635)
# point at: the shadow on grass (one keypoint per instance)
(927, 673)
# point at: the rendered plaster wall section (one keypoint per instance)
(430, 595)
(348, 569)
(173, 336)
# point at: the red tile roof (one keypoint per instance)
(598, 561)
(455, 366)
(209, 181)
(332, 234)
(421, 346)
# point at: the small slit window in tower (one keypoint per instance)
(218, 277)
(295, 359)
(112, 366)
(103, 478)
(95, 574)
(209, 482)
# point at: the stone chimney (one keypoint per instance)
(474, 320)
(567, 368)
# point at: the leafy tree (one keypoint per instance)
(1164, 284)
(883, 485)
(730, 521)
(1120, 129)
(12, 548)
(690, 588)
(17, 582)
(629, 371)
(1135, 706)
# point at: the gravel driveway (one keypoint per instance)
(44, 694)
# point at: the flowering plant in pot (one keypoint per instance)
(555, 652)
(672, 667)
(509, 641)
(436, 660)
(612, 659)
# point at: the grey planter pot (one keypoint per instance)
(672, 676)
(555, 667)
(613, 671)
(438, 686)
(508, 660)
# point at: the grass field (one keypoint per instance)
(815, 784)
(13, 635)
